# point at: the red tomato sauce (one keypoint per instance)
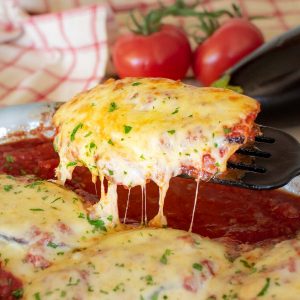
(10, 286)
(245, 216)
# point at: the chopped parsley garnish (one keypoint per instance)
(97, 223)
(175, 111)
(37, 296)
(9, 158)
(36, 209)
(52, 245)
(55, 147)
(88, 134)
(127, 129)
(111, 172)
(216, 145)
(142, 157)
(63, 294)
(92, 146)
(197, 266)
(149, 279)
(110, 142)
(71, 163)
(119, 287)
(164, 257)
(119, 265)
(34, 184)
(110, 218)
(136, 83)
(71, 282)
(171, 131)
(226, 130)
(112, 107)
(7, 187)
(247, 265)
(265, 288)
(217, 164)
(81, 216)
(18, 293)
(74, 131)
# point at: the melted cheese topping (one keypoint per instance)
(123, 265)
(263, 273)
(134, 130)
(39, 223)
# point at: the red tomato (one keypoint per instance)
(230, 43)
(166, 53)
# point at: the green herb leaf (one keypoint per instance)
(9, 158)
(226, 130)
(52, 245)
(71, 163)
(97, 223)
(92, 146)
(171, 131)
(36, 209)
(164, 257)
(34, 184)
(81, 216)
(37, 296)
(265, 288)
(112, 107)
(127, 129)
(7, 187)
(136, 83)
(18, 293)
(197, 266)
(74, 131)
(88, 134)
(111, 172)
(72, 283)
(110, 142)
(175, 111)
(149, 279)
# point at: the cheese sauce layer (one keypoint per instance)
(39, 223)
(133, 130)
(266, 273)
(136, 264)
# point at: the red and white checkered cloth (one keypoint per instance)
(52, 49)
(52, 56)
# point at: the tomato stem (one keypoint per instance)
(152, 21)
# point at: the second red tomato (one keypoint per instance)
(230, 43)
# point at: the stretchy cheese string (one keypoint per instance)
(145, 205)
(195, 204)
(127, 205)
(160, 219)
(142, 215)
